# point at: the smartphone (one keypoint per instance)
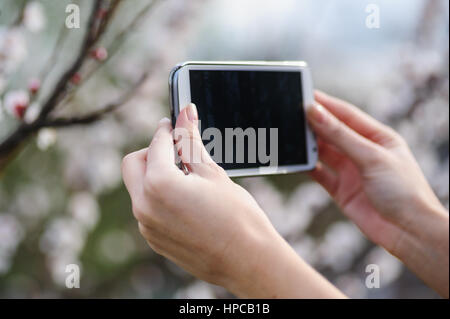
(251, 114)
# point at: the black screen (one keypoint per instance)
(252, 99)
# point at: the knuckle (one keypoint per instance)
(142, 229)
(152, 238)
(389, 131)
(377, 156)
(156, 183)
(146, 215)
(140, 210)
(145, 231)
(397, 137)
(126, 160)
(390, 136)
(336, 129)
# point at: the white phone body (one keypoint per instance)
(180, 97)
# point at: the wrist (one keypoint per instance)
(425, 218)
(251, 266)
(423, 244)
(423, 224)
(274, 270)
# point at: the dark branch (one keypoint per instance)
(103, 24)
(95, 115)
(24, 130)
(14, 140)
(60, 87)
(21, 14)
(96, 27)
(119, 40)
(46, 70)
(108, 17)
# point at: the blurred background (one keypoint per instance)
(62, 199)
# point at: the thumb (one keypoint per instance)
(359, 149)
(188, 141)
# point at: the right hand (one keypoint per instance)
(372, 175)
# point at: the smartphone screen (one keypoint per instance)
(252, 99)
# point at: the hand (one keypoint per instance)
(370, 172)
(209, 225)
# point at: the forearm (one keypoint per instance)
(423, 246)
(278, 272)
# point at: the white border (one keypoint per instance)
(181, 81)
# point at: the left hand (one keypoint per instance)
(209, 225)
(202, 221)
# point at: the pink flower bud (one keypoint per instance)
(34, 85)
(19, 110)
(76, 78)
(100, 54)
(101, 13)
(16, 103)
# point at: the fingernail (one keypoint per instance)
(317, 113)
(191, 112)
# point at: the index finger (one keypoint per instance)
(355, 118)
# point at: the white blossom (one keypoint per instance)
(32, 202)
(13, 49)
(352, 286)
(57, 265)
(46, 138)
(147, 279)
(11, 234)
(84, 208)
(14, 98)
(197, 290)
(63, 235)
(342, 242)
(117, 246)
(32, 112)
(34, 17)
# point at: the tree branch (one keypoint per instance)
(21, 13)
(108, 17)
(96, 27)
(95, 115)
(116, 44)
(97, 30)
(24, 129)
(46, 70)
(60, 87)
